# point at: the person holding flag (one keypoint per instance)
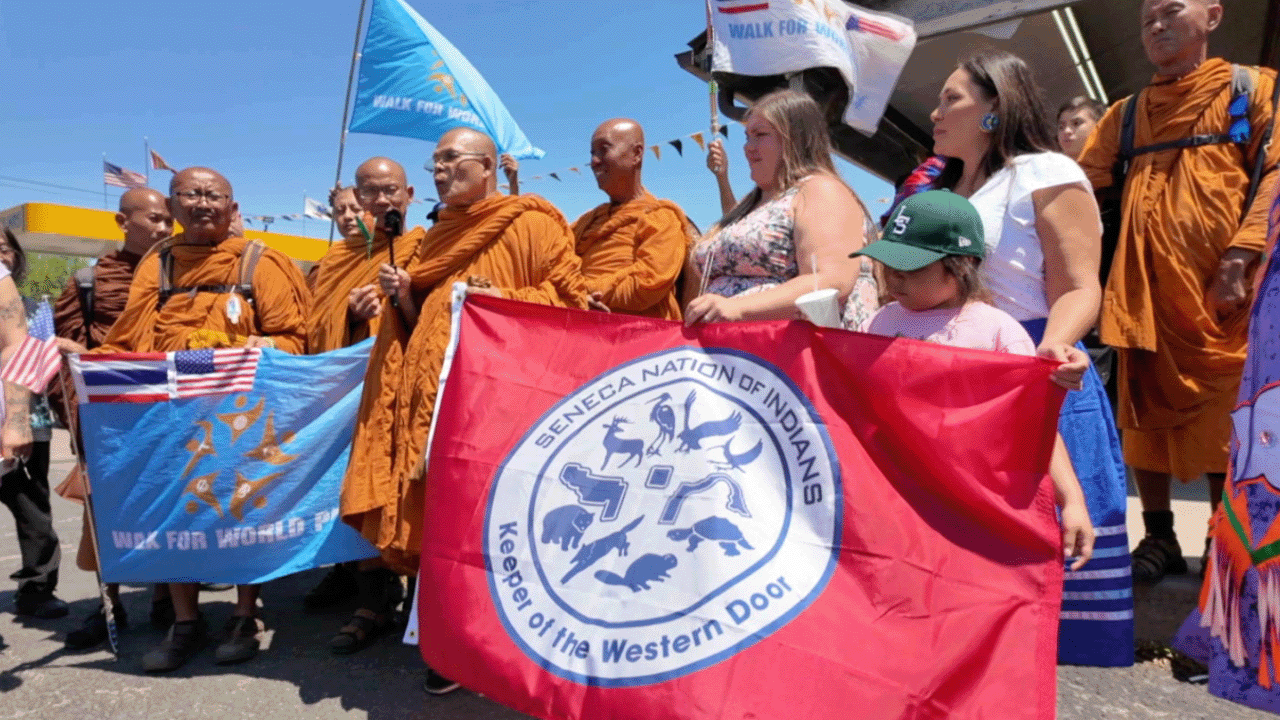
(82, 317)
(519, 247)
(791, 234)
(634, 246)
(24, 488)
(346, 309)
(185, 295)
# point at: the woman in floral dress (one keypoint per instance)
(791, 234)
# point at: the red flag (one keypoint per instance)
(631, 519)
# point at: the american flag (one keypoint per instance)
(116, 176)
(156, 377)
(868, 24)
(37, 358)
(733, 7)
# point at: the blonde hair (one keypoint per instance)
(806, 145)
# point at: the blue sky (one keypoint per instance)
(255, 90)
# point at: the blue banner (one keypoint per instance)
(414, 83)
(192, 482)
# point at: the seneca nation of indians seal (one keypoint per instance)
(664, 516)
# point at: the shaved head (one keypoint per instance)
(465, 166)
(382, 186)
(201, 200)
(472, 140)
(382, 166)
(200, 173)
(617, 156)
(141, 198)
(622, 130)
(144, 218)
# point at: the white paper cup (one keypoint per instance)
(820, 307)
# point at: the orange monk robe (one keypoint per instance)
(349, 264)
(525, 247)
(279, 310)
(1179, 368)
(632, 254)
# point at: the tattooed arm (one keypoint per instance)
(15, 434)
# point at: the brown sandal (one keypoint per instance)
(361, 630)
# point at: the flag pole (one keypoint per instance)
(73, 423)
(346, 105)
(712, 90)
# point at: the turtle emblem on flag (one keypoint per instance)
(663, 517)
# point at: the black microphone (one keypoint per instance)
(394, 221)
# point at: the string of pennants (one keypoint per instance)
(699, 138)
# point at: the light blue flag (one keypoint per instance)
(414, 83)
(219, 465)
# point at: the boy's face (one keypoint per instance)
(929, 288)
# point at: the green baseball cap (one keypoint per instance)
(925, 228)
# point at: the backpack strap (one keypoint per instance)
(244, 285)
(86, 279)
(248, 264)
(1261, 159)
(1120, 169)
(1240, 129)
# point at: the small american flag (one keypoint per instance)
(867, 24)
(37, 359)
(116, 176)
(156, 377)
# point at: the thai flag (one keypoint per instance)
(733, 7)
(37, 359)
(156, 377)
(117, 176)
(873, 26)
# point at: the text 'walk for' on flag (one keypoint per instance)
(414, 83)
(219, 465)
(633, 519)
(116, 176)
(37, 358)
(868, 49)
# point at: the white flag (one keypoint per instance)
(316, 209)
(869, 49)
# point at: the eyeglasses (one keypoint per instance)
(450, 157)
(369, 193)
(194, 196)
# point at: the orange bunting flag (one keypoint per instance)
(697, 137)
(575, 170)
(657, 151)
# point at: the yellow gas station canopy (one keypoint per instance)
(69, 230)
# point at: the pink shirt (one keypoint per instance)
(975, 325)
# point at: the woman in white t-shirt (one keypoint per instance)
(1043, 238)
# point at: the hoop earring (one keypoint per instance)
(990, 122)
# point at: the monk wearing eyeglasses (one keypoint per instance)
(187, 294)
(522, 248)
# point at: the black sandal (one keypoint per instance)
(1156, 557)
(361, 630)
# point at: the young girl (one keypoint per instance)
(931, 251)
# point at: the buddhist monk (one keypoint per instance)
(347, 309)
(524, 248)
(82, 316)
(634, 246)
(1176, 302)
(206, 310)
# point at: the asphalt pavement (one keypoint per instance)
(295, 676)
